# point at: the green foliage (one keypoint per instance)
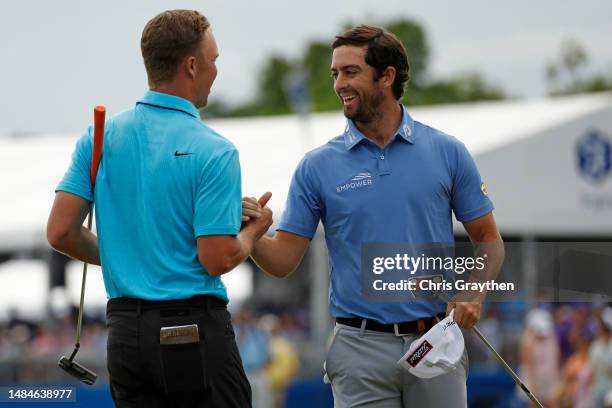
(414, 39)
(566, 74)
(463, 88)
(317, 62)
(215, 108)
(271, 98)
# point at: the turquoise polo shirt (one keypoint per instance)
(405, 192)
(164, 180)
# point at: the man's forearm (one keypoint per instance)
(233, 253)
(493, 253)
(79, 244)
(272, 257)
(245, 241)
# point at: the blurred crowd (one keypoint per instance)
(563, 352)
(268, 344)
(30, 349)
(565, 355)
(269, 347)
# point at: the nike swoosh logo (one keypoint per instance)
(176, 153)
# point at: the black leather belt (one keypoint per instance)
(124, 304)
(419, 326)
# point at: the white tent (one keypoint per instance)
(23, 288)
(525, 149)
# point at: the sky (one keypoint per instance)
(61, 58)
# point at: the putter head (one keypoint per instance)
(76, 370)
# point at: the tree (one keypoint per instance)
(215, 108)
(414, 39)
(566, 76)
(463, 88)
(317, 62)
(272, 98)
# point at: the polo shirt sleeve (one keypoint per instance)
(302, 210)
(469, 197)
(77, 179)
(218, 201)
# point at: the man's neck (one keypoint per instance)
(382, 128)
(176, 89)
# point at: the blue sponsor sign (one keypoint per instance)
(594, 154)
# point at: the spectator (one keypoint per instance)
(539, 356)
(43, 343)
(573, 325)
(572, 391)
(608, 400)
(284, 360)
(600, 359)
(254, 348)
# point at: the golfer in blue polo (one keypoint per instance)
(386, 178)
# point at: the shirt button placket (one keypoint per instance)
(383, 164)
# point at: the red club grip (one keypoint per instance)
(99, 114)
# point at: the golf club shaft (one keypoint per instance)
(78, 371)
(499, 358)
(508, 369)
(98, 140)
(83, 280)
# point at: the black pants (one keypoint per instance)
(144, 373)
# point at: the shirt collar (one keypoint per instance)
(167, 101)
(352, 135)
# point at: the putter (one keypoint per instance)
(68, 364)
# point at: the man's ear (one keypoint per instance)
(191, 67)
(388, 77)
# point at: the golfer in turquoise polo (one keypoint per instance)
(168, 214)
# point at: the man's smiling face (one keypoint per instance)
(354, 83)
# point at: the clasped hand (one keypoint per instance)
(256, 212)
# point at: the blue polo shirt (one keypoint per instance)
(165, 179)
(405, 192)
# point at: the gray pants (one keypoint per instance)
(361, 366)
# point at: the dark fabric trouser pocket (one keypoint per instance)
(183, 368)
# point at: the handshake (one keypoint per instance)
(277, 255)
(256, 214)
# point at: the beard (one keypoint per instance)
(368, 109)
